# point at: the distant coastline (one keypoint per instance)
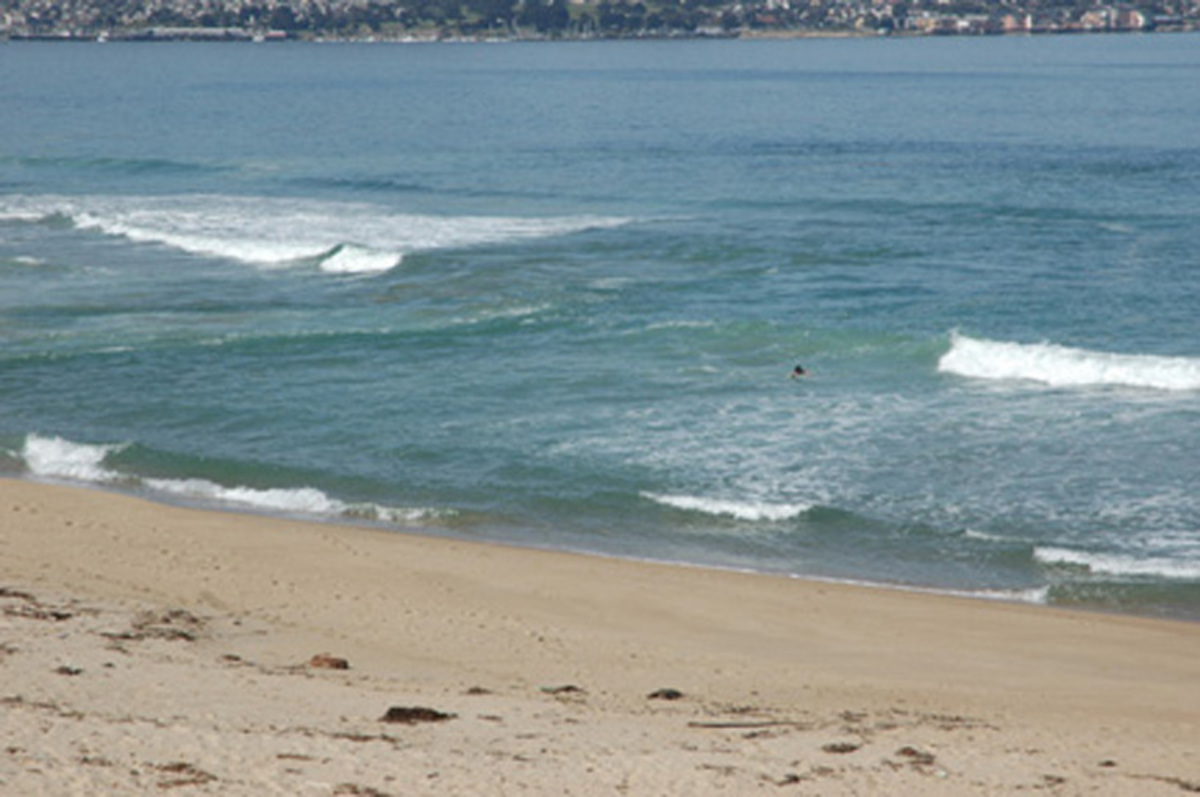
(574, 20)
(259, 37)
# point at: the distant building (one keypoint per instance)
(1130, 19)
(1017, 23)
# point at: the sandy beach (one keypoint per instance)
(149, 649)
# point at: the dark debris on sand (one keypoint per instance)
(665, 694)
(411, 715)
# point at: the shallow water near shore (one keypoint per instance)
(552, 294)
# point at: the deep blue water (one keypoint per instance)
(551, 294)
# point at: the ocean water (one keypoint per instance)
(551, 294)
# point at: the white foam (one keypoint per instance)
(610, 283)
(1177, 542)
(359, 260)
(1120, 564)
(301, 500)
(741, 510)
(395, 515)
(1061, 366)
(505, 313)
(14, 210)
(291, 501)
(973, 534)
(681, 324)
(344, 237)
(187, 232)
(54, 457)
(1035, 595)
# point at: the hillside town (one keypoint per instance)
(428, 20)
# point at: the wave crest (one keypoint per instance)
(290, 501)
(343, 237)
(740, 510)
(54, 457)
(57, 458)
(1062, 366)
(358, 260)
(1111, 564)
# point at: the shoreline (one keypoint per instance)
(1000, 595)
(174, 644)
(1032, 597)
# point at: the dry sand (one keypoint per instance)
(148, 649)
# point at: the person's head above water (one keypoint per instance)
(799, 370)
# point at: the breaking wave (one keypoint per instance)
(56, 458)
(740, 510)
(1061, 366)
(348, 259)
(342, 237)
(1111, 564)
(53, 457)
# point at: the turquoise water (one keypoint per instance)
(551, 294)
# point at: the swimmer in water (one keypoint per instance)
(799, 372)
